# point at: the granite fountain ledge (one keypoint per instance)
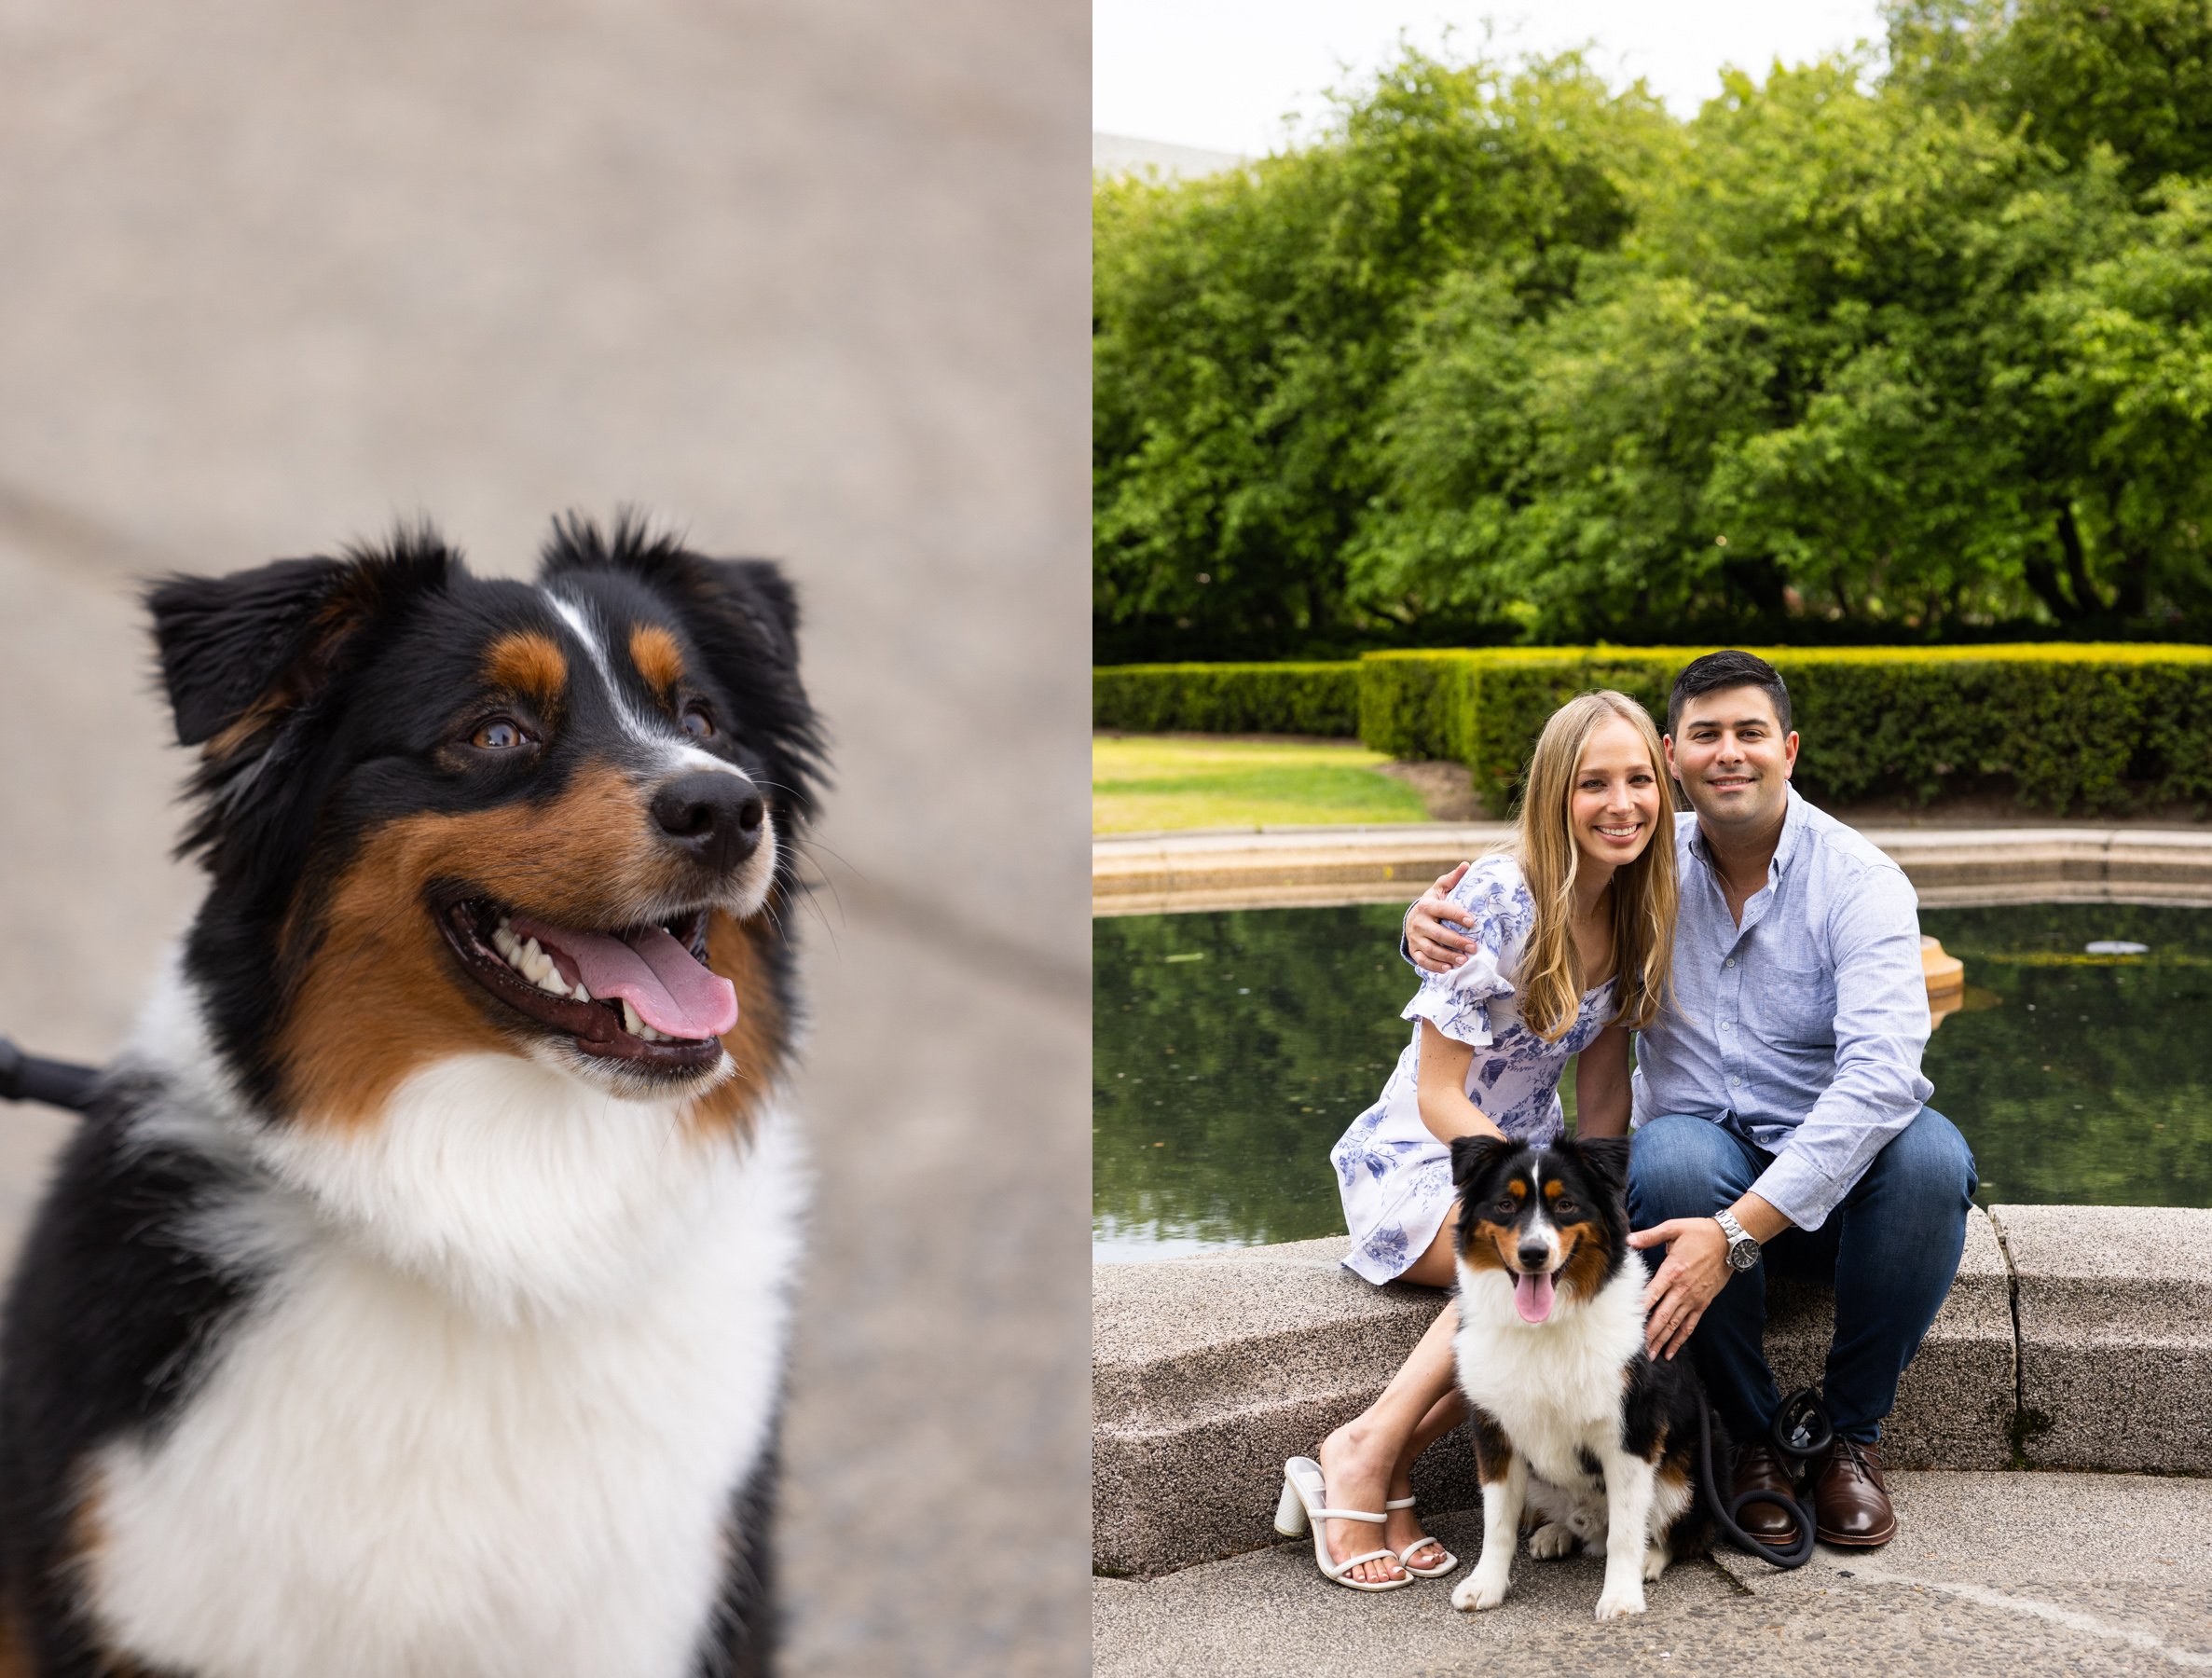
(1208, 1371)
(1145, 874)
(2115, 1314)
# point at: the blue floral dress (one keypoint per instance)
(1393, 1174)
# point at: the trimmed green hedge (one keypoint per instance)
(2070, 727)
(1227, 698)
(2067, 727)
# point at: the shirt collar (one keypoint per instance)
(1785, 848)
(1793, 825)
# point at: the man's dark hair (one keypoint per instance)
(1727, 670)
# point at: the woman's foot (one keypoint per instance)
(1357, 1473)
(1402, 1527)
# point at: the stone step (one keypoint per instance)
(1207, 1372)
(2115, 1313)
(1146, 873)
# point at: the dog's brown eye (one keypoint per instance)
(499, 734)
(1564, 1208)
(1506, 1205)
(697, 723)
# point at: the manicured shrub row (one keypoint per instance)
(2070, 727)
(1227, 698)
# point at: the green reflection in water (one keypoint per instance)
(1230, 1051)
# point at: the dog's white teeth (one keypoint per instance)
(580, 993)
(630, 1022)
(550, 980)
(650, 1036)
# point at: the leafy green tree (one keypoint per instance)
(1909, 355)
(2134, 76)
(2126, 385)
(1245, 325)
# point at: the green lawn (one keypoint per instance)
(1142, 783)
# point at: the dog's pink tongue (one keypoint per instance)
(670, 991)
(1532, 1295)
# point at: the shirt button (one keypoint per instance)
(1727, 1025)
(1734, 1079)
(1730, 962)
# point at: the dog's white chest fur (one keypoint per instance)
(1554, 1387)
(420, 1455)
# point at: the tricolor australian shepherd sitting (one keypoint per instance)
(1571, 1414)
(414, 1300)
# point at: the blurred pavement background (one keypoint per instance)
(810, 279)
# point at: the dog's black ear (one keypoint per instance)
(1471, 1156)
(227, 642)
(1606, 1159)
(267, 640)
(768, 596)
(242, 656)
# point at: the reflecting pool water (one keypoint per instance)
(1230, 1051)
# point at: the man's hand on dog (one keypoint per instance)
(1695, 1269)
(1430, 938)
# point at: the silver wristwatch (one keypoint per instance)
(1743, 1252)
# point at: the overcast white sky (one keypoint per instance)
(1221, 74)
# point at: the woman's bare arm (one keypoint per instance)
(1602, 1085)
(1443, 1089)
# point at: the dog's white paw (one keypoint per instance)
(1587, 1523)
(1593, 1544)
(1478, 1592)
(1619, 1605)
(1550, 1541)
(1655, 1561)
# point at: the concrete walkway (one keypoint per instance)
(1993, 1572)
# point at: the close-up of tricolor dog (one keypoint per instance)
(414, 1297)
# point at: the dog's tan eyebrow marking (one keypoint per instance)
(528, 660)
(1553, 1190)
(1517, 1186)
(658, 659)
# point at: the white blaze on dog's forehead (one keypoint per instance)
(1538, 1221)
(1539, 1214)
(580, 617)
(672, 749)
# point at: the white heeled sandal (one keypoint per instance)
(1405, 1555)
(1304, 1504)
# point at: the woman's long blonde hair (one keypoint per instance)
(1644, 893)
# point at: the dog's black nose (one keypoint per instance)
(714, 815)
(1533, 1254)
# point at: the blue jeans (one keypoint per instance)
(1890, 1248)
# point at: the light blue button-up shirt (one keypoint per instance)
(1807, 1022)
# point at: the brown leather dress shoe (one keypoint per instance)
(1850, 1504)
(1760, 1467)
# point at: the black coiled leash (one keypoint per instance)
(57, 1083)
(1800, 1428)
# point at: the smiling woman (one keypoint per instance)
(1572, 938)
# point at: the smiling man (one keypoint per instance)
(1779, 1105)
